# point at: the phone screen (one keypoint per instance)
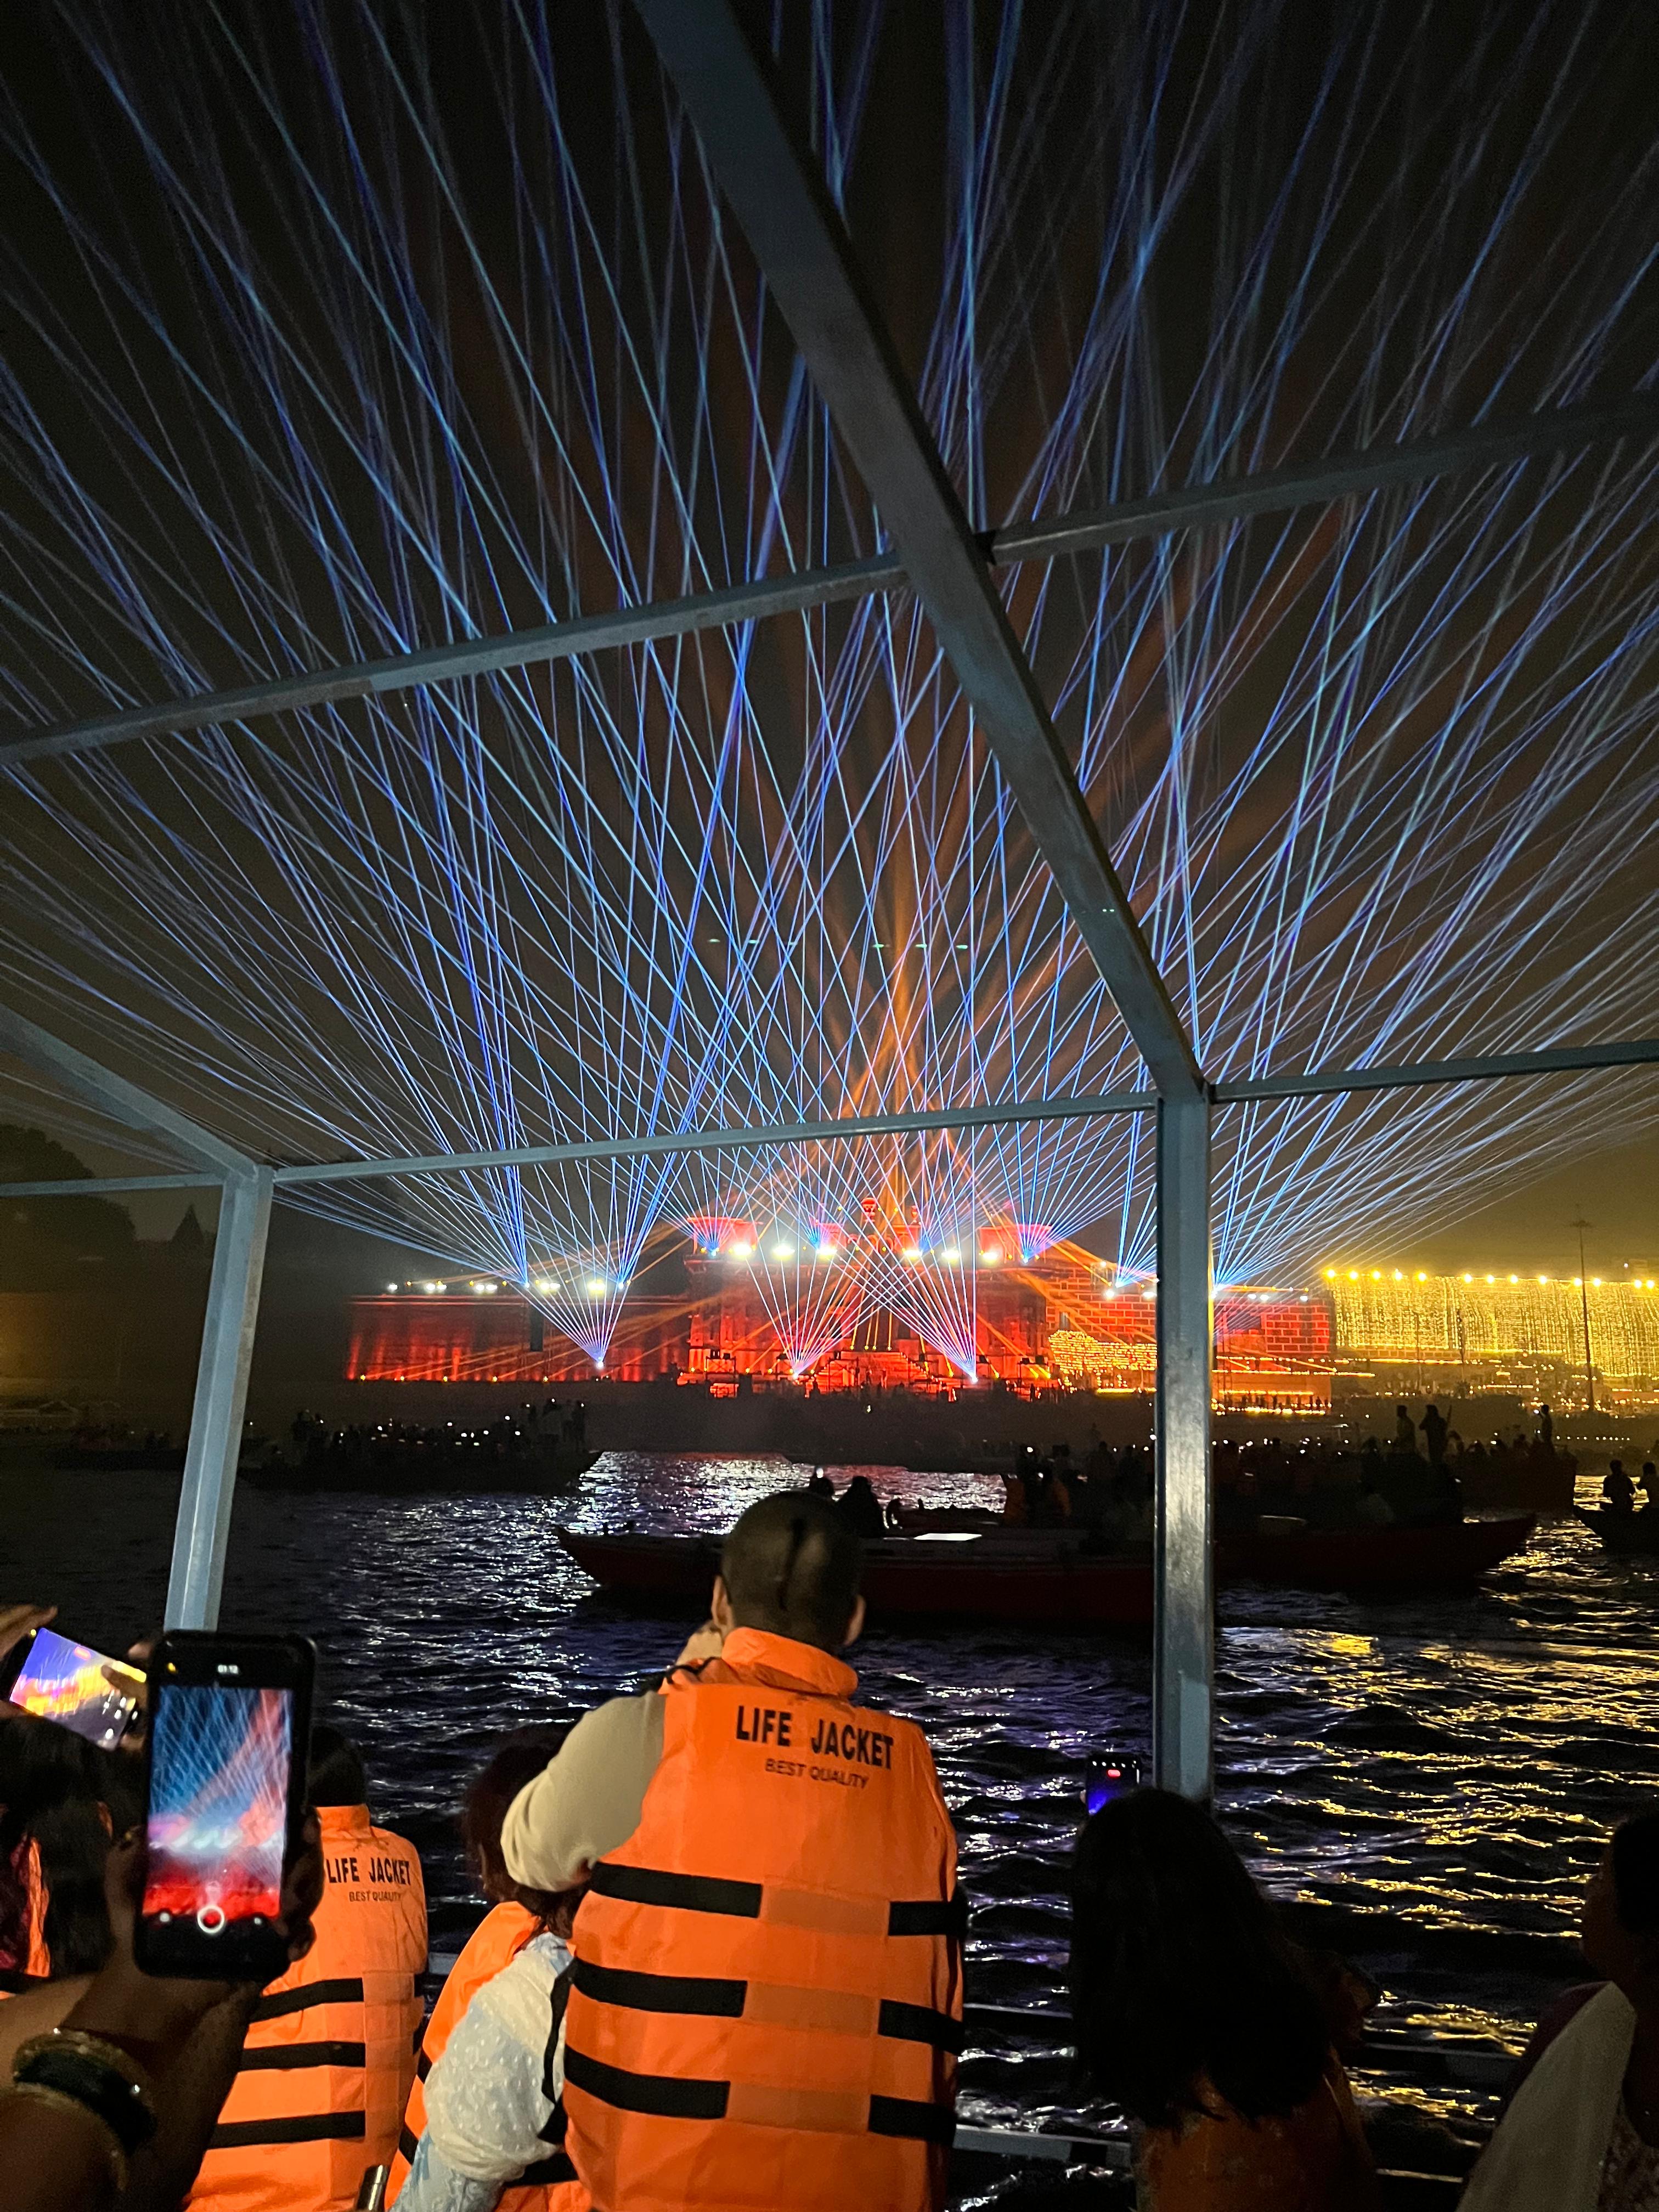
(220, 1760)
(1108, 1779)
(65, 1682)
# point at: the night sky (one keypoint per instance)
(328, 339)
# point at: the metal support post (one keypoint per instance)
(1183, 1660)
(203, 1529)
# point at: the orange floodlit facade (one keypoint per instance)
(1065, 1320)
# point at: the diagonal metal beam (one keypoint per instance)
(1228, 499)
(731, 1140)
(778, 192)
(1320, 1082)
(114, 1095)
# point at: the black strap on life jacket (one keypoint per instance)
(556, 2167)
(741, 1900)
(547, 2172)
(707, 1997)
(678, 2097)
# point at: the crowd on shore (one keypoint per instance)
(721, 1966)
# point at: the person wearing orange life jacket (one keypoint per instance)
(484, 2127)
(331, 2052)
(766, 2004)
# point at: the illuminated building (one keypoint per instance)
(1066, 1320)
(1405, 1329)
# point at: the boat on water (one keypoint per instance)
(1627, 1535)
(1051, 1579)
(110, 1456)
(541, 1467)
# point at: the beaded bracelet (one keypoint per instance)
(96, 2075)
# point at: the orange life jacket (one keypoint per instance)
(766, 2004)
(331, 2052)
(550, 2185)
(36, 1967)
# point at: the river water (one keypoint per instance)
(1446, 1767)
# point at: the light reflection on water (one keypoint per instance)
(1452, 1762)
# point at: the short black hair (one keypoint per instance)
(1636, 1872)
(792, 1567)
(1182, 1980)
(334, 1770)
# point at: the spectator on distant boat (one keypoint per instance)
(860, 1509)
(751, 1827)
(1405, 1430)
(484, 2125)
(821, 1486)
(1546, 1428)
(1434, 1434)
(1372, 1508)
(1582, 2130)
(1650, 1483)
(1193, 2012)
(1618, 1491)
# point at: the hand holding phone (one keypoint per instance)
(47, 1675)
(229, 1727)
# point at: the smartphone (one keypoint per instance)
(48, 1675)
(1109, 1778)
(229, 1726)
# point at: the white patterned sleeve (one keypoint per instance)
(486, 2098)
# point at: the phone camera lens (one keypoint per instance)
(211, 1919)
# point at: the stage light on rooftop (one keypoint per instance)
(826, 1252)
(913, 1253)
(392, 1287)
(596, 1287)
(990, 1255)
(783, 1251)
(742, 1249)
(949, 1255)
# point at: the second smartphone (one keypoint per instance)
(229, 1732)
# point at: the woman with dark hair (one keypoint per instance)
(1582, 2130)
(1193, 2013)
(61, 1800)
(485, 2123)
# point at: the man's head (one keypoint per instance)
(791, 1567)
(334, 1772)
(1620, 1924)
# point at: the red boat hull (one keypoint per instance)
(1031, 1581)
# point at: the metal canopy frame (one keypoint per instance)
(778, 191)
(1319, 1083)
(202, 1528)
(1497, 444)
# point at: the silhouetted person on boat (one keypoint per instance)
(821, 1486)
(1580, 2126)
(1618, 1491)
(860, 1509)
(1434, 1434)
(1405, 1430)
(1193, 2012)
(1651, 1484)
(1546, 1428)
